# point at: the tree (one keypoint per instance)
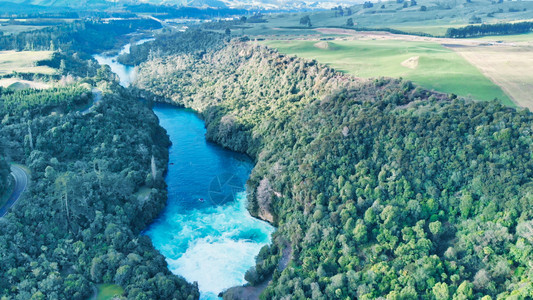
(305, 20)
(413, 3)
(482, 279)
(360, 233)
(251, 276)
(63, 186)
(464, 291)
(227, 31)
(123, 274)
(525, 230)
(423, 8)
(466, 205)
(440, 291)
(4, 175)
(62, 66)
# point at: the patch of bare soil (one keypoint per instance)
(411, 63)
(20, 83)
(322, 45)
(336, 31)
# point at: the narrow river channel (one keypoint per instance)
(205, 231)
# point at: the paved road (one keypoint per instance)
(97, 96)
(163, 23)
(21, 181)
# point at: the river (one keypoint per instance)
(205, 232)
(126, 74)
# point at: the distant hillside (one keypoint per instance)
(261, 4)
(241, 4)
(33, 4)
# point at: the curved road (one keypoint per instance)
(97, 96)
(21, 181)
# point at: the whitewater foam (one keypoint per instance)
(213, 246)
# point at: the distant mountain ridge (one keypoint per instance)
(240, 4)
(257, 4)
(37, 5)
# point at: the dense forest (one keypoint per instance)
(489, 29)
(378, 188)
(167, 43)
(96, 182)
(86, 37)
(4, 176)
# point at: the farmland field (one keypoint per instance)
(427, 64)
(24, 62)
(477, 68)
(510, 67)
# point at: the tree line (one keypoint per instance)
(489, 29)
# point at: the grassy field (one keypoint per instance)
(109, 291)
(17, 83)
(427, 64)
(24, 62)
(511, 67)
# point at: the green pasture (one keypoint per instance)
(438, 68)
